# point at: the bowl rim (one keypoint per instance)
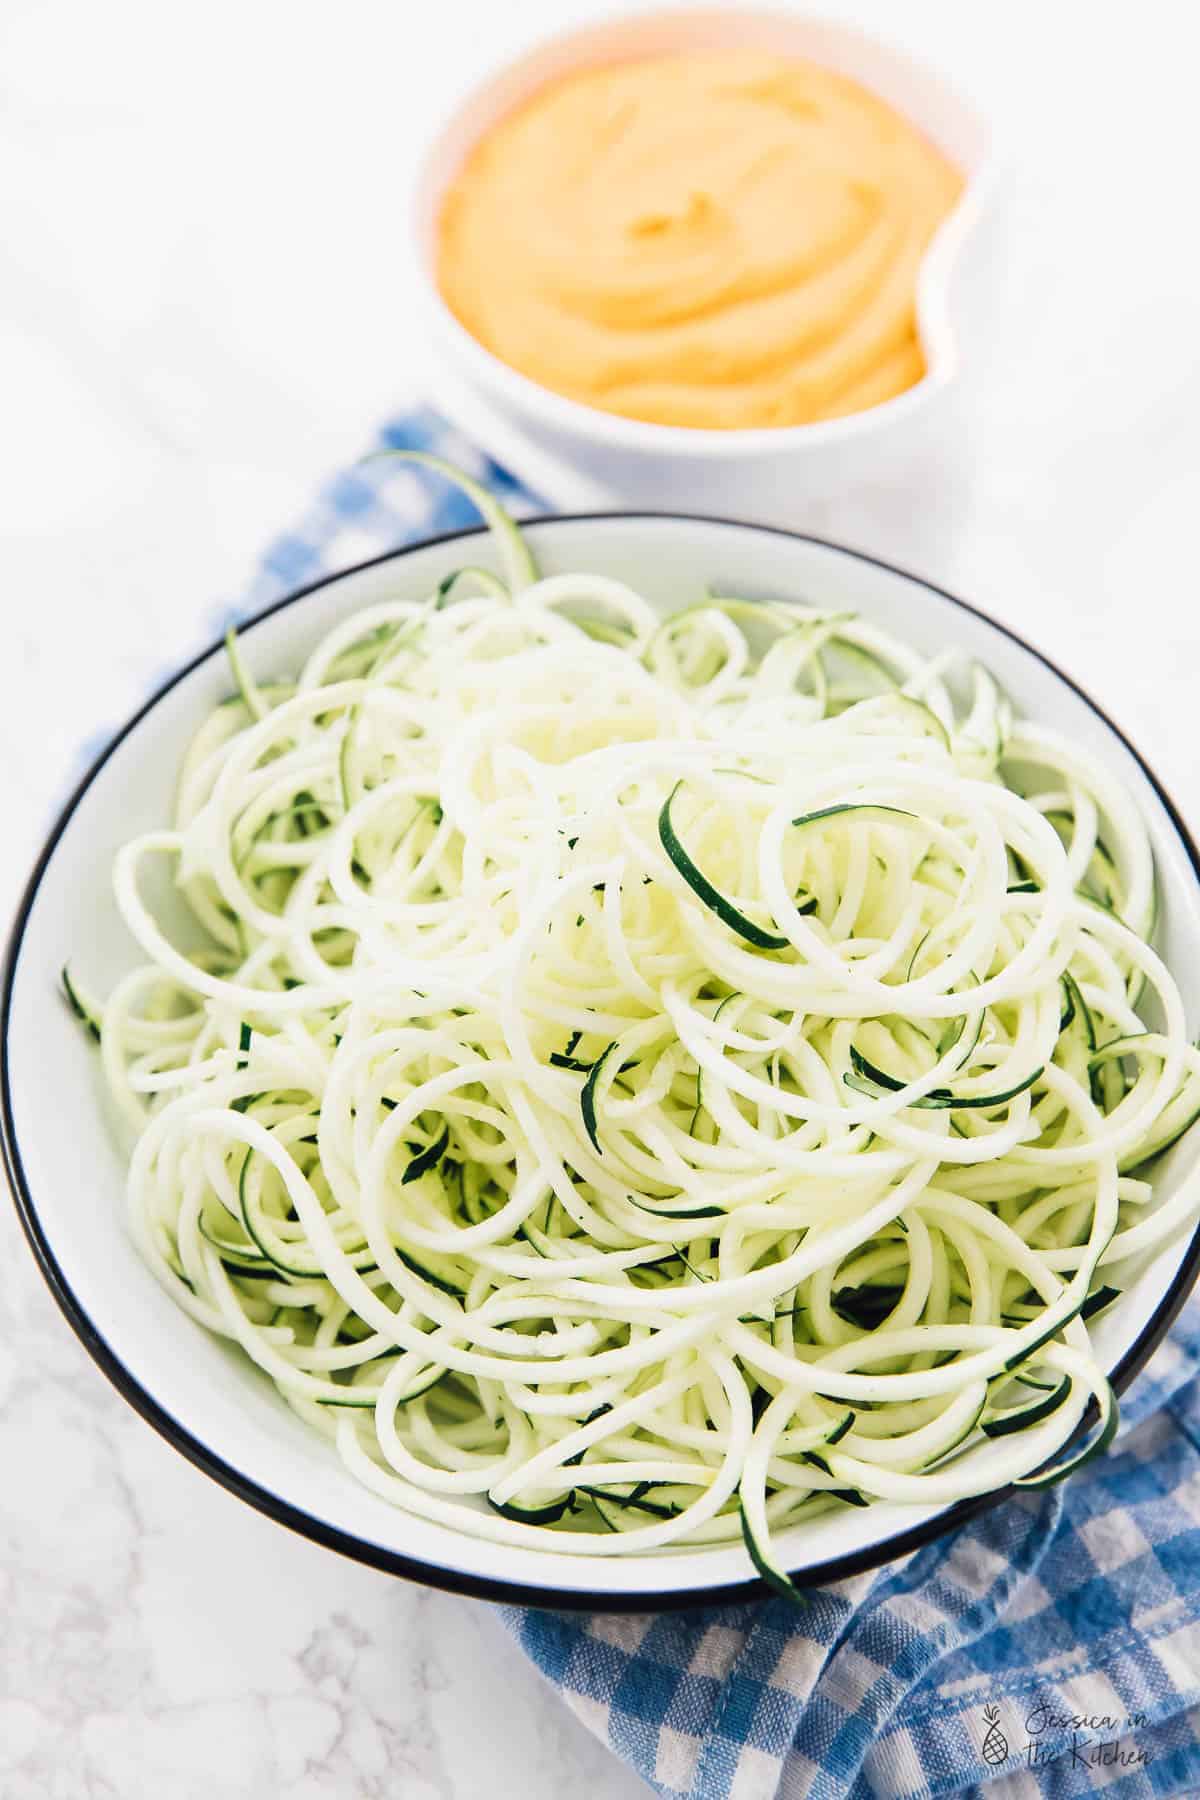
(285, 1512)
(700, 443)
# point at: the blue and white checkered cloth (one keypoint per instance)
(1050, 1649)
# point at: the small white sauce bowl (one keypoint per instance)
(576, 455)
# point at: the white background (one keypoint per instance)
(202, 310)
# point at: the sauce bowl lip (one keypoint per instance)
(294, 1515)
(613, 431)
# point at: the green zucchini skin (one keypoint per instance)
(703, 888)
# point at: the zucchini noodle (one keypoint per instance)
(631, 1083)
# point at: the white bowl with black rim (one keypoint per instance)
(68, 1172)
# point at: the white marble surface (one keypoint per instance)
(202, 308)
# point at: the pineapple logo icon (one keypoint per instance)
(995, 1744)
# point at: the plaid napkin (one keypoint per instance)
(1050, 1649)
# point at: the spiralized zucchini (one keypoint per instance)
(643, 1082)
